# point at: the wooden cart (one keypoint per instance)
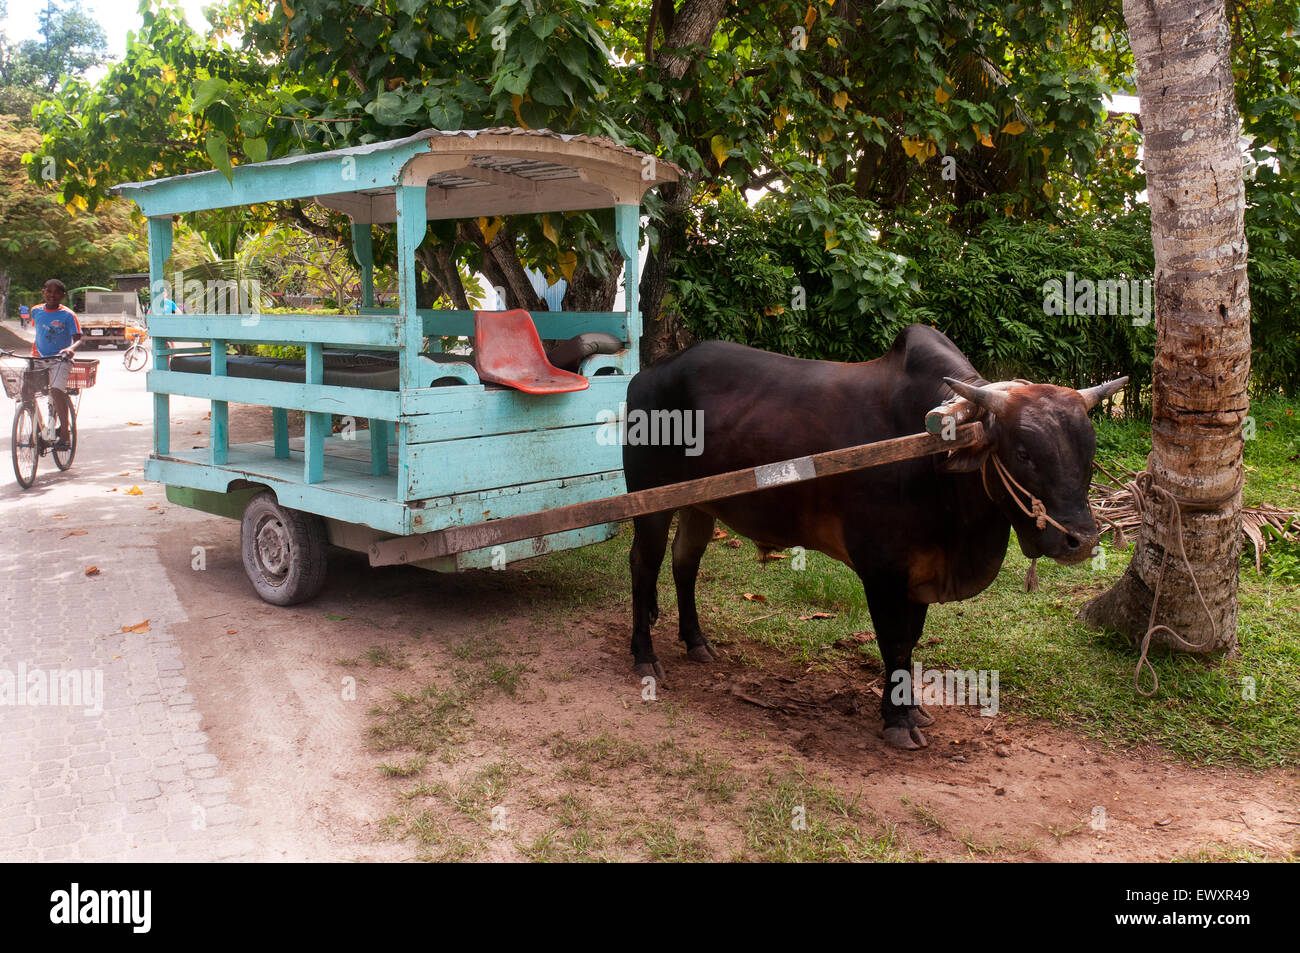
(463, 464)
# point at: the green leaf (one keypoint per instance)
(544, 26)
(444, 22)
(406, 42)
(255, 149)
(388, 109)
(218, 149)
(206, 93)
(445, 114)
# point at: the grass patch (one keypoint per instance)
(433, 718)
(483, 791)
(381, 656)
(1231, 854)
(507, 677)
(793, 818)
(436, 841)
(410, 769)
(426, 721)
(578, 833)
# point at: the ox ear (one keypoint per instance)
(967, 459)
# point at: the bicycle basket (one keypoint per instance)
(30, 381)
(13, 380)
(83, 374)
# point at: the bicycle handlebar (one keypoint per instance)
(61, 356)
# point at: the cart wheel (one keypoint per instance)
(63, 458)
(284, 551)
(25, 448)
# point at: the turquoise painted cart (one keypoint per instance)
(443, 448)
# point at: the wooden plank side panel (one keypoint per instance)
(464, 508)
(381, 331)
(450, 415)
(549, 324)
(160, 248)
(355, 498)
(219, 427)
(503, 557)
(325, 398)
(459, 466)
(315, 426)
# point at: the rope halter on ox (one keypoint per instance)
(994, 398)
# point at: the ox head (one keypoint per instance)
(1042, 436)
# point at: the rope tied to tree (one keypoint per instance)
(1143, 484)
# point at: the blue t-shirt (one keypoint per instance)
(54, 329)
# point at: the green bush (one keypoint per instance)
(745, 270)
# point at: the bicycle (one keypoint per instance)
(35, 428)
(137, 355)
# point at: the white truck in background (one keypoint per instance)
(105, 317)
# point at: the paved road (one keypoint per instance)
(133, 778)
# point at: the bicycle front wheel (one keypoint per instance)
(23, 446)
(136, 357)
(63, 458)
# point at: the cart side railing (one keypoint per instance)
(315, 398)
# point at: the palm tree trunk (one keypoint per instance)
(1193, 163)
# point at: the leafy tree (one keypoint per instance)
(962, 113)
(40, 238)
(71, 42)
(736, 96)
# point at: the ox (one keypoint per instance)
(932, 529)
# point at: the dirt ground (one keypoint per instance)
(521, 733)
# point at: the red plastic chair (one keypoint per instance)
(508, 351)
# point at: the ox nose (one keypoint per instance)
(1075, 541)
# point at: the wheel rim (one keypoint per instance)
(24, 446)
(63, 458)
(135, 358)
(272, 550)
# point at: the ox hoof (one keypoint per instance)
(704, 652)
(919, 717)
(649, 670)
(905, 737)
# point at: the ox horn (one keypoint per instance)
(1093, 396)
(994, 401)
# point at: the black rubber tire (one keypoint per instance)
(63, 458)
(284, 551)
(25, 421)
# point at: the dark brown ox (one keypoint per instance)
(933, 529)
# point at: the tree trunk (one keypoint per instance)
(693, 25)
(588, 291)
(1193, 165)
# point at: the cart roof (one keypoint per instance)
(469, 172)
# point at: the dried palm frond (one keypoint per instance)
(1113, 507)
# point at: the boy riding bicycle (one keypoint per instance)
(57, 332)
